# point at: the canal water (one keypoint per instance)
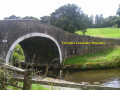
(106, 77)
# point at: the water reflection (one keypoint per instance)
(107, 77)
(113, 82)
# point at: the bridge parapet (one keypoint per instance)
(43, 43)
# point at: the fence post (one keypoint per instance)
(60, 73)
(28, 75)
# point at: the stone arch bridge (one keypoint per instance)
(43, 43)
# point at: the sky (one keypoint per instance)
(39, 8)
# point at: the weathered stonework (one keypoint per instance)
(42, 43)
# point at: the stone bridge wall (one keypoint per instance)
(12, 30)
(81, 49)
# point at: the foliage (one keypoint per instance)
(45, 19)
(83, 66)
(18, 53)
(19, 18)
(103, 32)
(12, 17)
(90, 21)
(1, 75)
(110, 21)
(117, 22)
(12, 81)
(71, 18)
(99, 20)
(68, 17)
(5, 78)
(18, 49)
(118, 11)
(30, 18)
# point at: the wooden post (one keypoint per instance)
(27, 84)
(60, 73)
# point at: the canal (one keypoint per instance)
(103, 77)
(106, 77)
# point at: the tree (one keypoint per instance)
(91, 19)
(45, 19)
(99, 21)
(117, 22)
(12, 17)
(68, 17)
(110, 21)
(30, 18)
(88, 20)
(118, 11)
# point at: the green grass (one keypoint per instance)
(34, 87)
(14, 88)
(107, 55)
(102, 32)
(39, 87)
(107, 58)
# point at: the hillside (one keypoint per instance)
(103, 32)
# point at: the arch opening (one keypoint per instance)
(38, 48)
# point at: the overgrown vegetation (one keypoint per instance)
(18, 54)
(6, 78)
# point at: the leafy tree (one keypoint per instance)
(88, 20)
(91, 18)
(45, 19)
(12, 17)
(118, 11)
(30, 18)
(99, 20)
(69, 17)
(110, 21)
(117, 22)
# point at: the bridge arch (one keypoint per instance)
(30, 35)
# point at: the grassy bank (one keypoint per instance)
(34, 87)
(103, 32)
(107, 58)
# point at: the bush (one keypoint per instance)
(18, 49)
(18, 53)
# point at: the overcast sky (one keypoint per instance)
(39, 8)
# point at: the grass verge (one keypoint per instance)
(34, 87)
(104, 59)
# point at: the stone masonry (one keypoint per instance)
(43, 43)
